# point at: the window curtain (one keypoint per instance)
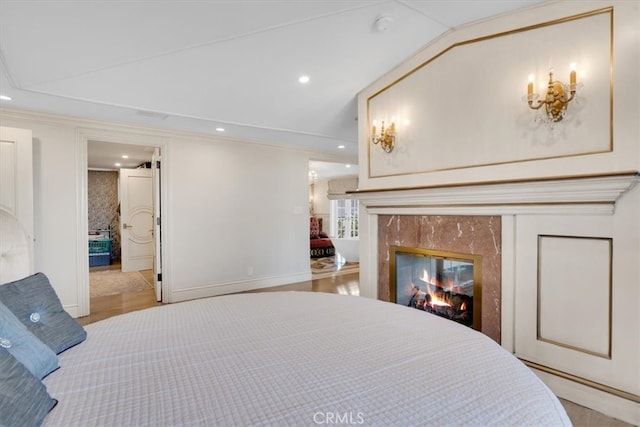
(339, 187)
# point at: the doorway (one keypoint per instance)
(122, 219)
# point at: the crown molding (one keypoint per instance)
(97, 126)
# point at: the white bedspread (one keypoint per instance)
(293, 358)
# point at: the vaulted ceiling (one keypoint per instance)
(203, 65)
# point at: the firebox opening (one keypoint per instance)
(447, 284)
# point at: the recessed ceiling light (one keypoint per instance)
(5, 98)
(124, 156)
(303, 79)
(347, 166)
(341, 147)
(118, 165)
(219, 129)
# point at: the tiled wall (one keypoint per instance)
(103, 205)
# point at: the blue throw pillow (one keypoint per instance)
(34, 301)
(24, 400)
(39, 359)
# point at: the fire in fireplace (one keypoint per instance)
(447, 284)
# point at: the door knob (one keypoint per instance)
(125, 225)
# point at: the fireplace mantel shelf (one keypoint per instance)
(589, 194)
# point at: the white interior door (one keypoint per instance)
(157, 253)
(16, 180)
(136, 210)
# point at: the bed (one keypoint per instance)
(284, 358)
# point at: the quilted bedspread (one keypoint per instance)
(293, 358)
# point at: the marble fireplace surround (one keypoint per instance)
(474, 218)
(471, 234)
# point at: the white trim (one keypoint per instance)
(164, 133)
(508, 283)
(555, 209)
(606, 403)
(82, 230)
(72, 309)
(368, 255)
(202, 291)
(588, 195)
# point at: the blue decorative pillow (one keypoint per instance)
(39, 359)
(24, 400)
(35, 303)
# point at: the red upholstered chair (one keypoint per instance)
(314, 227)
(320, 245)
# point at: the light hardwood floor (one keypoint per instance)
(112, 305)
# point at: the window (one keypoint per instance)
(344, 218)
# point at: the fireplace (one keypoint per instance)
(447, 284)
(502, 222)
(460, 234)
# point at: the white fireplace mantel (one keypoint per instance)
(577, 210)
(588, 194)
(594, 194)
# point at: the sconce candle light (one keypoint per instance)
(387, 136)
(556, 99)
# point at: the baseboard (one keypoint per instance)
(217, 289)
(72, 309)
(606, 403)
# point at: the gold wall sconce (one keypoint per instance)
(387, 137)
(557, 97)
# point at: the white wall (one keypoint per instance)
(322, 207)
(235, 214)
(233, 221)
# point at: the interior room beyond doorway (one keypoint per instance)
(108, 229)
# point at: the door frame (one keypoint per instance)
(83, 136)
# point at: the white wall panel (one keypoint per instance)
(574, 286)
(447, 112)
(571, 268)
(467, 107)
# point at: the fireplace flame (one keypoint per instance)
(463, 306)
(425, 276)
(436, 300)
(450, 284)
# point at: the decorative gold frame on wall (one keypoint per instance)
(609, 306)
(445, 255)
(607, 10)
